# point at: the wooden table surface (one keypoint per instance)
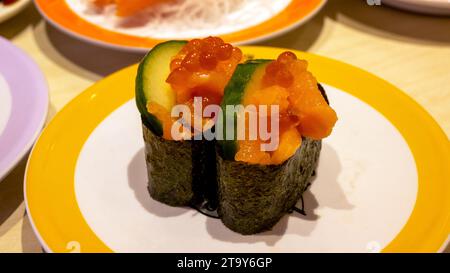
(411, 51)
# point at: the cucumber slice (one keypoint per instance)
(151, 83)
(244, 76)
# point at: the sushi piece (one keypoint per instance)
(181, 171)
(258, 187)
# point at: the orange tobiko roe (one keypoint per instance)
(303, 110)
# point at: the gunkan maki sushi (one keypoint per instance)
(253, 179)
(259, 186)
(181, 171)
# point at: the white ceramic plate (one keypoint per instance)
(381, 182)
(345, 194)
(441, 7)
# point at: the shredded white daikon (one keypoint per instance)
(184, 17)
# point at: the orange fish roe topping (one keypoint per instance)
(203, 68)
(287, 83)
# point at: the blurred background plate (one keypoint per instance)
(440, 7)
(23, 105)
(8, 11)
(275, 18)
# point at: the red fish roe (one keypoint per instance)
(279, 72)
(203, 67)
(286, 57)
(208, 60)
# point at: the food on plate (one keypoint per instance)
(173, 73)
(256, 188)
(252, 179)
(168, 18)
(126, 7)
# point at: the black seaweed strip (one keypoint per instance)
(302, 211)
(208, 210)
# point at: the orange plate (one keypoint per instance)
(60, 15)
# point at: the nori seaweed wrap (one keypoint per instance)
(180, 173)
(253, 198)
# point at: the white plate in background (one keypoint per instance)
(440, 7)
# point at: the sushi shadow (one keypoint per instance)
(297, 223)
(219, 231)
(301, 225)
(138, 181)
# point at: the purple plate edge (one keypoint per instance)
(28, 112)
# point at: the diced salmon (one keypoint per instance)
(250, 152)
(290, 141)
